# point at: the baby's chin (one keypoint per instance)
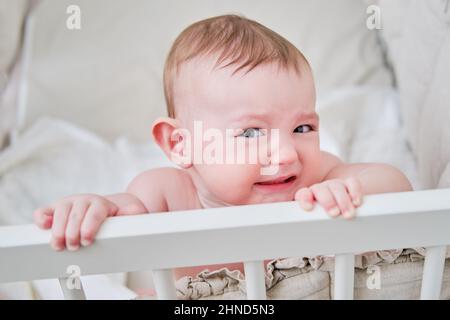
(276, 198)
(269, 198)
(259, 199)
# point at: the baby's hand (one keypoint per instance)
(335, 196)
(75, 219)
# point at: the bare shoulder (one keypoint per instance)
(155, 173)
(154, 187)
(328, 162)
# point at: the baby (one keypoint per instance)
(232, 87)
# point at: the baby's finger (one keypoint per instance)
(93, 219)
(325, 198)
(43, 217)
(342, 198)
(354, 188)
(59, 225)
(74, 221)
(306, 198)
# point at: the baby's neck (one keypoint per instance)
(208, 201)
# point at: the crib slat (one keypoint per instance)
(72, 293)
(344, 276)
(164, 284)
(255, 280)
(433, 271)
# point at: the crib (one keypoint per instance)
(350, 84)
(239, 233)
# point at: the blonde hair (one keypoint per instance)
(243, 42)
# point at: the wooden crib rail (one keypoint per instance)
(244, 233)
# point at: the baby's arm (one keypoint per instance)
(76, 219)
(373, 177)
(343, 185)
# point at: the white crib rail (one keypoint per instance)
(344, 276)
(432, 273)
(245, 233)
(164, 284)
(254, 279)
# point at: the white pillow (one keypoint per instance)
(420, 55)
(107, 76)
(11, 20)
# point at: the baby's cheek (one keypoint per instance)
(311, 166)
(232, 183)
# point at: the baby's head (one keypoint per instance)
(241, 112)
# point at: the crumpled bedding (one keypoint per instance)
(53, 159)
(225, 284)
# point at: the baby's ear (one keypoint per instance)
(173, 140)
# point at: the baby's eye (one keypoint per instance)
(251, 133)
(303, 128)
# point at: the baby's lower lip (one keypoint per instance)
(276, 187)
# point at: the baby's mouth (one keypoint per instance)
(277, 181)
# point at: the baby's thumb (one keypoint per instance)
(305, 197)
(112, 209)
(43, 217)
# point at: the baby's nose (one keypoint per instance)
(284, 154)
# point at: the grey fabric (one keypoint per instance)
(399, 271)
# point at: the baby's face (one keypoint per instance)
(268, 112)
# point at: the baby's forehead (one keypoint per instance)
(200, 67)
(202, 85)
(209, 65)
